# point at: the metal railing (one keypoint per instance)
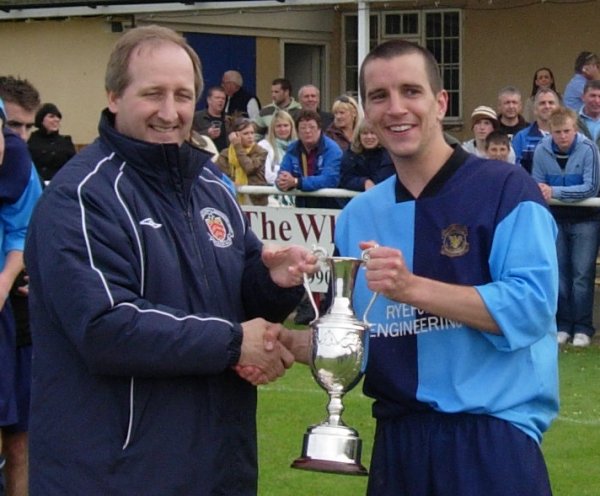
(346, 193)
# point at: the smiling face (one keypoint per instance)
(344, 117)
(545, 103)
(591, 102)
(283, 129)
(158, 104)
(368, 139)
(402, 108)
(543, 79)
(51, 122)
(309, 98)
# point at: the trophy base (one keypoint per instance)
(331, 449)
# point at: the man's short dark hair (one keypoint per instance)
(591, 84)
(284, 83)
(308, 115)
(497, 138)
(212, 89)
(20, 92)
(396, 48)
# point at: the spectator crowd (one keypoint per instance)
(293, 143)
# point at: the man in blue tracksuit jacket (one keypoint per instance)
(566, 166)
(144, 278)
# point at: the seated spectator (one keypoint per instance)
(282, 131)
(497, 146)
(543, 78)
(345, 119)
(366, 163)
(483, 122)
(525, 141)
(310, 163)
(49, 149)
(243, 161)
(566, 165)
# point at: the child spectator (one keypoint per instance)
(497, 146)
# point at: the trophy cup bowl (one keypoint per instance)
(337, 362)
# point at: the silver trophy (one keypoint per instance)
(337, 362)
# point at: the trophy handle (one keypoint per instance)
(368, 309)
(364, 256)
(310, 296)
(321, 254)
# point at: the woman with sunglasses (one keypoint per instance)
(345, 119)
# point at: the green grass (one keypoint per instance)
(288, 406)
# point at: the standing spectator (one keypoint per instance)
(309, 97)
(543, 78)
(566, 165)
(510, 105)
(21, 101)
(244, 161)
(135, 387)
(345, 119)
(239, 103)
(366, 163)
(49, 149)
(525, 141)
(462, 349)
(587, 66)
(211, 121)
(282, 132)
(282, 99)
(483, 121)
(589, 115)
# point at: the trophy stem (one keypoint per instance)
(335, 409)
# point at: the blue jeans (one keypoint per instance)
(577, 249)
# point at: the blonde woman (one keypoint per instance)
(244, 161)
(282, 131)
(346, 116)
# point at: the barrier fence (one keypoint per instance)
(312, 226)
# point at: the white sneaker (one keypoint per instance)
(563, 337)
(581, 340)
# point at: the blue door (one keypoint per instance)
(220, 53)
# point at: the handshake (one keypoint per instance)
(269, 349)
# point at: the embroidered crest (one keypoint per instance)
(454, 241)
(218, 225)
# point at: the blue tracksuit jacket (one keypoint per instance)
(142, 266)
